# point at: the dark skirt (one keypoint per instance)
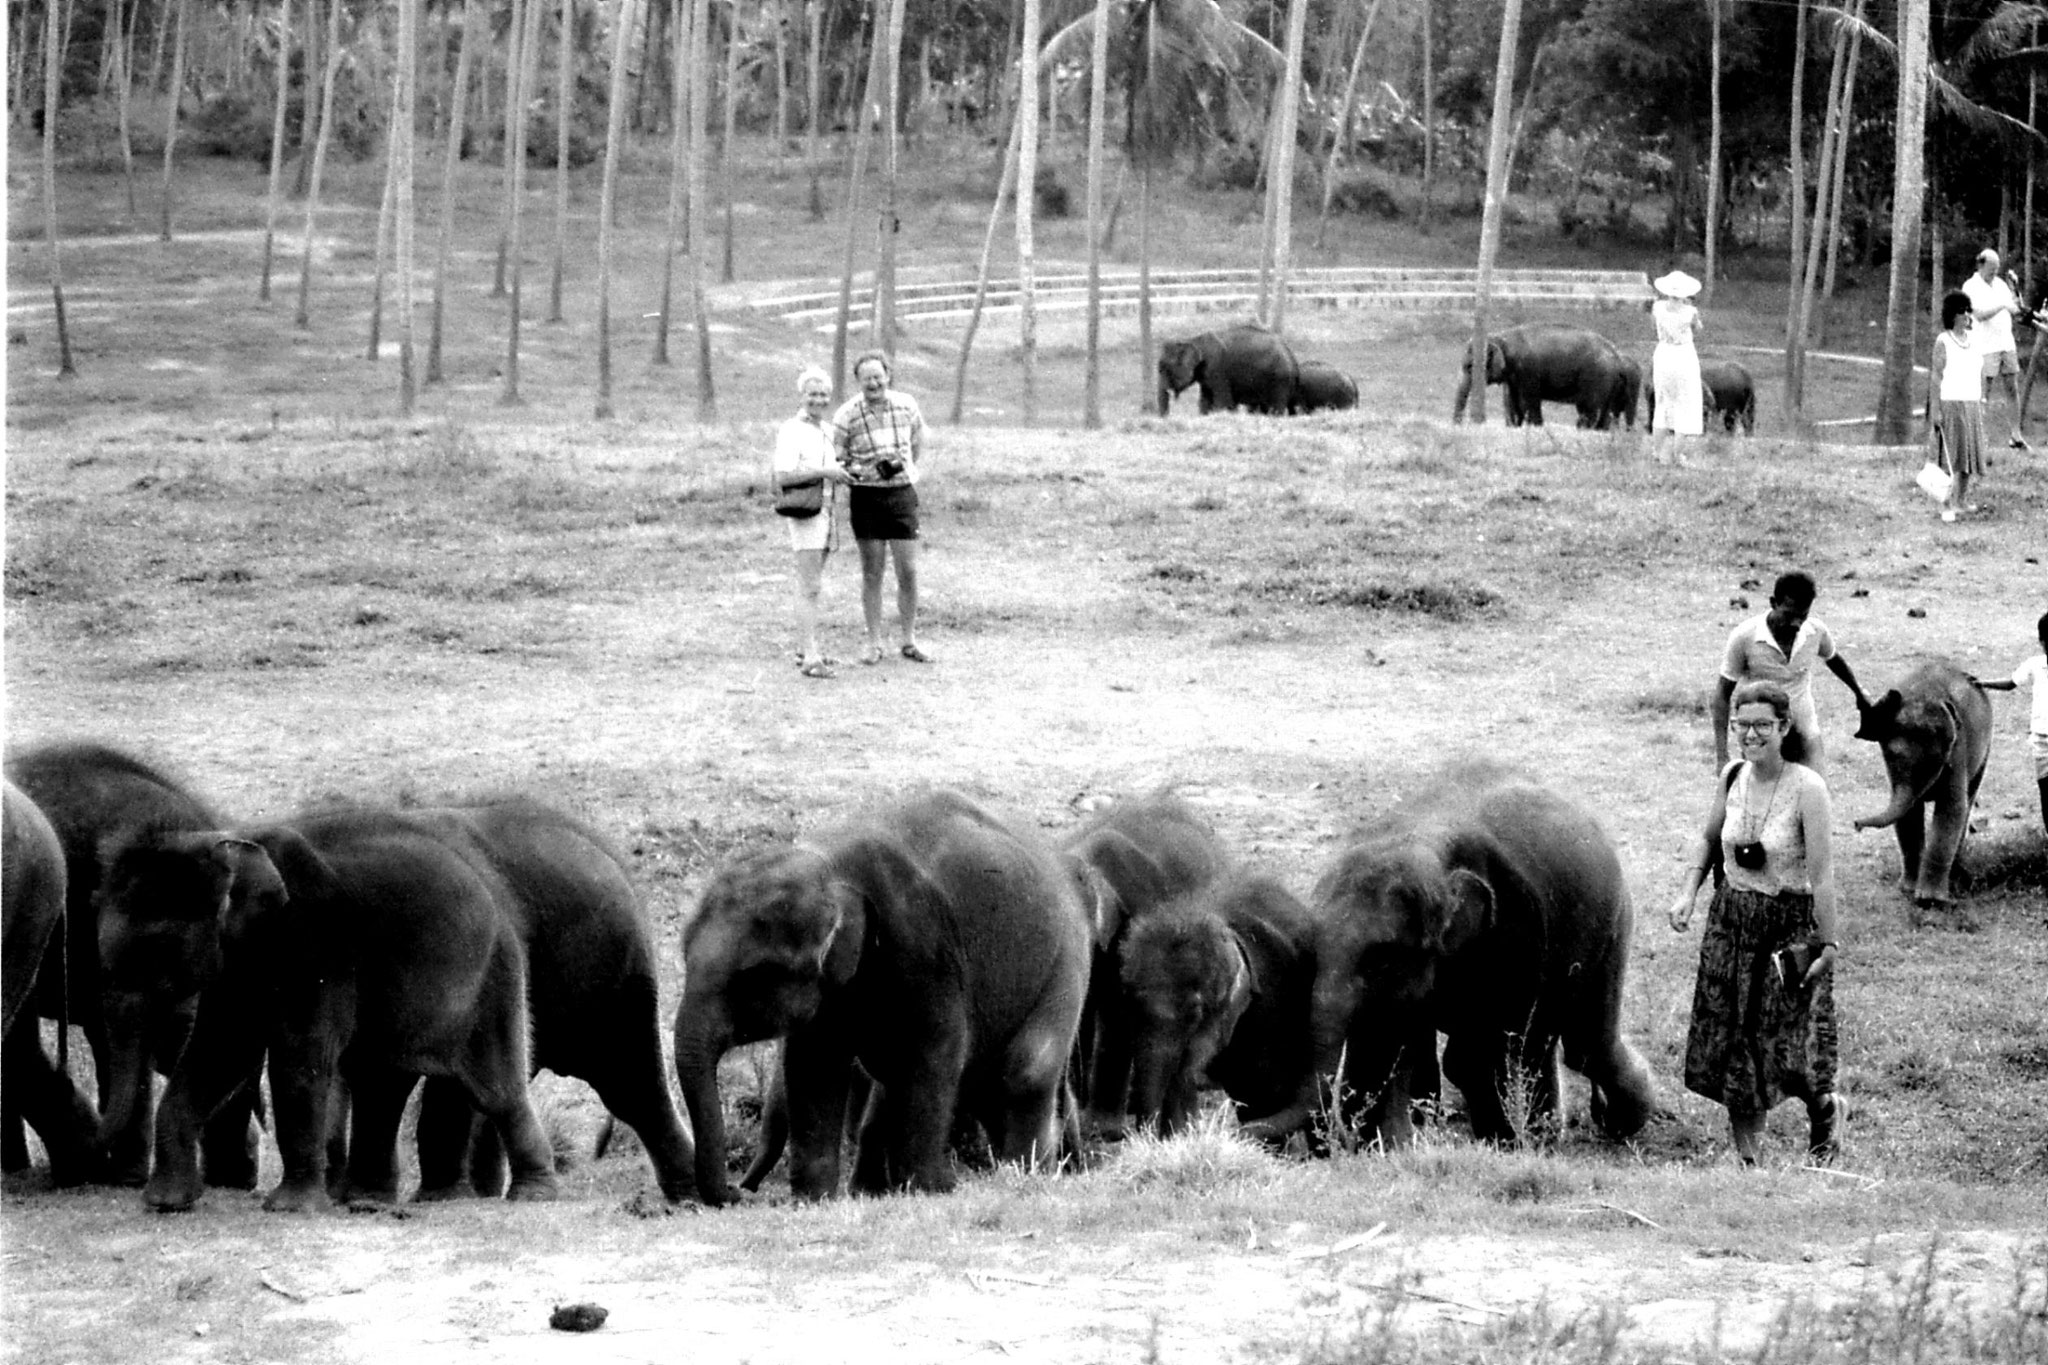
(1961, 437)
(1756, 1040)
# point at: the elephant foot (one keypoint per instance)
(172, 1195)
(535, 1189)
(368, 1194)
(298, 1198)
(1825, 1119)
(443, 1194)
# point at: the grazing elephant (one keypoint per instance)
(40, 1093)
(1219, 988)
(360, 946)
(95, 797)
(933, 944)
(1491, 910)
(1319, 386)
(1130, 859)
(1543, 362)
(1628, 387)
(1244, 366)
(1726, 390)
(1934, 730)
(592, 983)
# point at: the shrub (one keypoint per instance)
(1049, 197)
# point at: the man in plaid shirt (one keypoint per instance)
(879, 437)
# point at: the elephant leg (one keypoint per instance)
(1031, 1097)
(1912, 837)
(1623, 1093)
(230, 1142)
(224, 1051)
(1378, 1097)
(126, 1152)
(1944, 848)
(917, 1110)
(41, 1095)
(1109, 1092)
(13, 1137)
(447, 1129)
(378, 1095)
(1475, 1061)
(304, 1075)
(817, 1069)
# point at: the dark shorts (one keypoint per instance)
(883, 513)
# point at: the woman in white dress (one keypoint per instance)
(1675, 366)
(804, 455)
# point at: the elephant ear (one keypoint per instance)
(849, 936)
(1880, 720)
(273, 868)
(1496, 360)
(1471, 908)
(1099, 901)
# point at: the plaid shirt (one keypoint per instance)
(862, 435)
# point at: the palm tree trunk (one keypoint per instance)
(1004, 185)
(303, 318)
(1713, 229)
(1283, 161)
(309, 130)
(171, 104)
(1428, 109)
(614, 135)
(515, 117)
(404, 125)
(1901, 323)
(284, 68)
(1143, 149)
(780, 127)
(884, 315)
(1098, 116)
(726, 136)
(678, 173)
(528, 49)
(1808, 280)
(451, 159)
(124, 78)
(53, 87)
(565, 65)
(1836, 195)
(1796, 202)
(2027, 202)
(812, 111)
(1027, 184)
(700, 117)
(855, 175)
(1496, 195)
(387, 209)
(1341, 133)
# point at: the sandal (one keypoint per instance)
(916, 655)
(821, 669)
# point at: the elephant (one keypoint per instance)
(593, 986)
(1492, 910)
(1319, 386)
(357, 946)
(1726, 390)
(1545, 362)
(1219, 985)
(1628, 387)
(94, 797)
(1245, 366)
(1130, 859)
(32, 897)
(927, 940)
(1934, 730)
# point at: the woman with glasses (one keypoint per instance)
(1763, 1006)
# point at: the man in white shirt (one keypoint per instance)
(1996, 304)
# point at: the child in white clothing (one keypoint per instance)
(2034, 673)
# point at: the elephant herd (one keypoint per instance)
(1250, 367)
(936, 974)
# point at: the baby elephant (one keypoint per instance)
(1934, 729)
(1319, 386)
(1218, 989)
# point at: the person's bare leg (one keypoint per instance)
(810, 571)
(905, 552)
(874, 557)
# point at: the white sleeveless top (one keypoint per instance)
(1767, 813)
(1962, 372)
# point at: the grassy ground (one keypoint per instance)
(223, 551)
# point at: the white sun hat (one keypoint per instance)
(1677, 284)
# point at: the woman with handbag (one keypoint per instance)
(805, 472)
(1955, 380)
(1763, 1006)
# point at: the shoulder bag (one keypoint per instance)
(801, 499)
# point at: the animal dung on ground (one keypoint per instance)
(577, 1317)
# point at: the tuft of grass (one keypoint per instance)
(1208, 1157)
(1447, 600)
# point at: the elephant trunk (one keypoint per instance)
(1152, 1073)
(1165, 398)
(1904, 798)
(702, 1039)
(128, 1017)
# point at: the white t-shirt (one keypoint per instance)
(1994, 334)
(1962, 370)
(2034, 673)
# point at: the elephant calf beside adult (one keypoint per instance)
(1544, 362)
(929, 941)
(1321, 387)
(1493, 911)
(1934, 730)
(1245, 366)
(1728, 391)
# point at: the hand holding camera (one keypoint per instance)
(888, 468)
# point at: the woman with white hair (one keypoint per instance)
(804, 460)
(1675, 365)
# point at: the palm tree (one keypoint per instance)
(387, 208)
(402, 161)
(678, 173)
(515, 68)
(1282, 187)
(884, 313)
(1894, 399)
(1098, 116)
(124, 80)
(1796, 207)
(303, 317)
(528, 50)
(1340, 134)
(564, 65)
(53, 84)
(700, 111)
(1004, 184)
(452, 158)
(1713, 230)
(1027, 181)
(614, 135)
(284, 72)
(855, 175)
(1496, 195)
